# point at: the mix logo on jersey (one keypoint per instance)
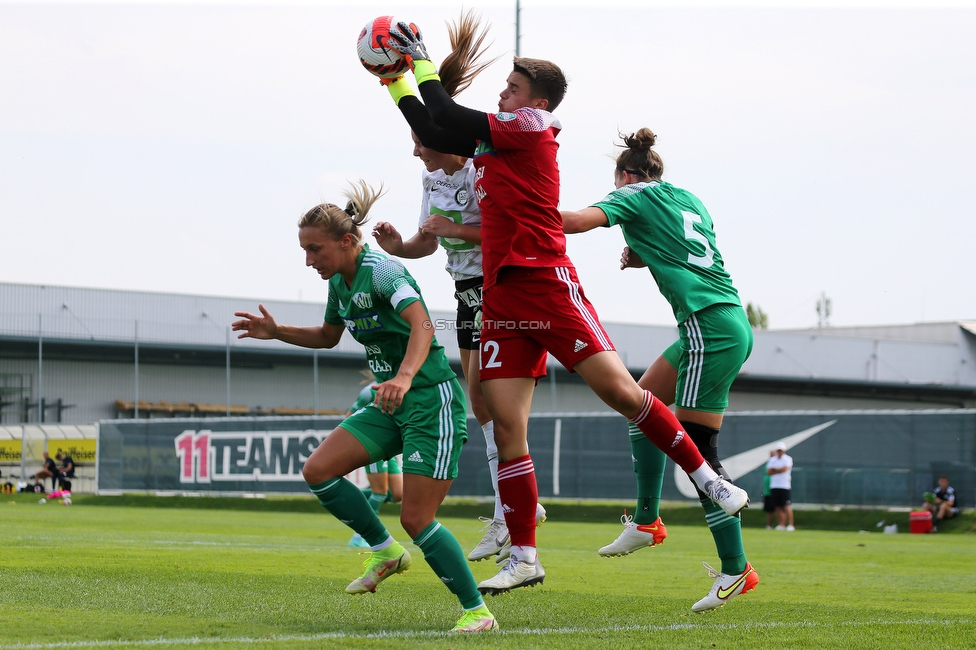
(363, 323)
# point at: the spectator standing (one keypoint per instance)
(768, 506)
(780, 471)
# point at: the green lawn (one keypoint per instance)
(136, 577)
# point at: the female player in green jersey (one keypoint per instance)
(668, 230)
(418, 409)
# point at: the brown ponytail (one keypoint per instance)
(341, 221)
(461, 66)
(639, 158)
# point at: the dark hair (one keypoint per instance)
(461, 66)
(341, 221)
(546, 80)
(639, 159)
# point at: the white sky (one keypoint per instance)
(172, 147)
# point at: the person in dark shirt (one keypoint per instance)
(67, 470)
(48, 470)
(943, 504)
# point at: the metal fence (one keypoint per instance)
(862, 458)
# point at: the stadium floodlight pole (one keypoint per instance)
(40, 369)
(518, 28)
(315, 381)
(135, 413)
(227, 343)
(552, 388)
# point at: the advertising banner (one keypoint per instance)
(877, 458)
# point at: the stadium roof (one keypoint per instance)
(924, 354)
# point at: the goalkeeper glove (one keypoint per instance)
(399, 88)
(406, 39)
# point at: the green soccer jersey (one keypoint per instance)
(370, 310)
(672, 232)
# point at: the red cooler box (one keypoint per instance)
(920, 522)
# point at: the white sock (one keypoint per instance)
(492, 451)
(525, 554)
(702, 475)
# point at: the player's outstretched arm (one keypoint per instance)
(390, 240)
(449, 114)
(416, 114)
(583, 220)
(445, 112)
(433, 136)
(436, 225)
(264, 327)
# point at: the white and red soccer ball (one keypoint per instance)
(373, 51)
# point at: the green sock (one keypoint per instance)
(347, 504)
(649, 462)
(444, 555)
(375, 501)
(727, 533)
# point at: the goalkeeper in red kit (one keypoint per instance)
(533, 301)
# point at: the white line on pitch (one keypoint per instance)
(118, 643)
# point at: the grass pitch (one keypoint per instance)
(123, 577)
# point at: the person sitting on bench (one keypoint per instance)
(49, 469)
(67, 470)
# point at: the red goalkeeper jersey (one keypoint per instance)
(517, 185)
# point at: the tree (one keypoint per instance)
(757, 317)
(823, 310)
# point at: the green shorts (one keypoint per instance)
(714, 343)
(391, 466)
(429, 429)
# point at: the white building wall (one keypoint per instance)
(939, 353)
(93, 387)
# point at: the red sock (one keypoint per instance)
(519, 493)
(658, 424)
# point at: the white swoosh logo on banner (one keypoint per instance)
(741, 464)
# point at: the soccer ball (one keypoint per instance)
(375, 56)
(66, 501)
